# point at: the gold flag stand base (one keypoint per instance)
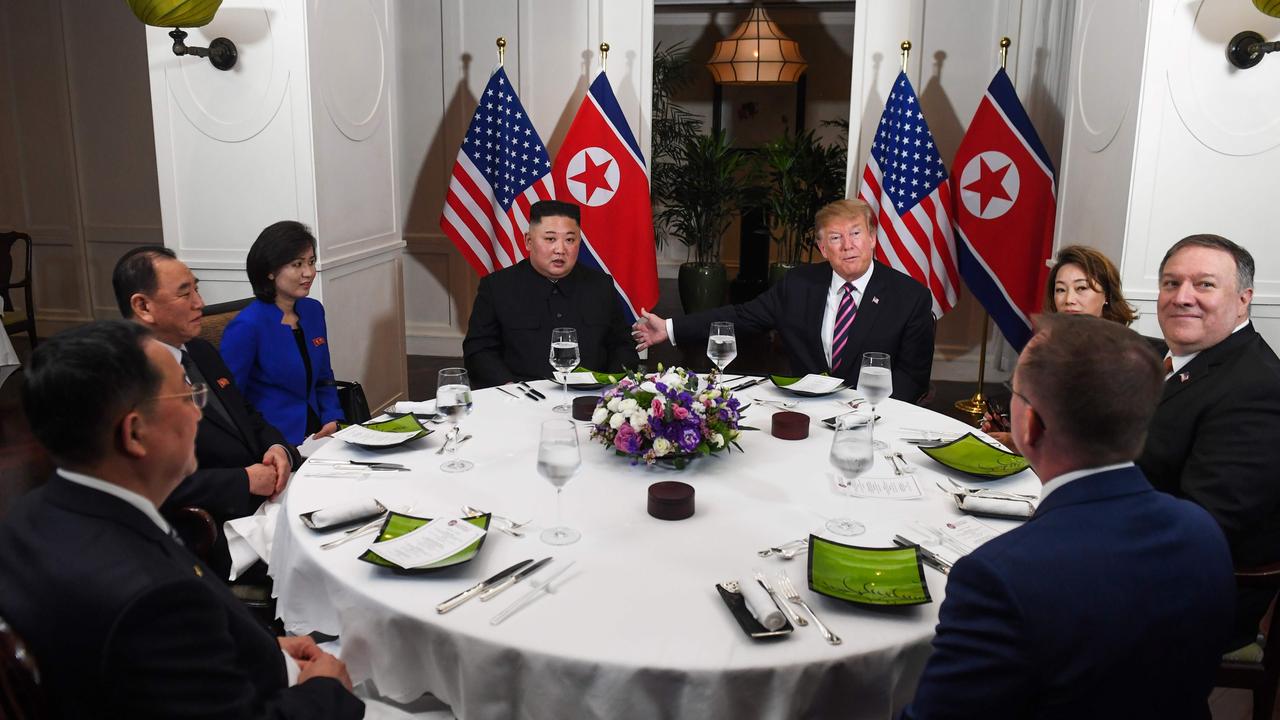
(977, 404)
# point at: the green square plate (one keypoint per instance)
(408, 422)
(972, 456)
(398, 524)
(866, 576)
(785, 382)
(602, 379)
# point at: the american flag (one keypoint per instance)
(905, 183)
(502, 169)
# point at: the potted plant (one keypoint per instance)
(698, 203)
(803, 176)
(671, 125)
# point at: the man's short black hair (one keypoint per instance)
(81, 381)
(277, 245)
(554, 208)
(135, 272)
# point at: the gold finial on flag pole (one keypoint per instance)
(906, 52)
(502, 50)
(1005, 42)
(604, 57)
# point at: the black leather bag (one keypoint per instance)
(354, 404)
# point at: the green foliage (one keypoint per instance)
(701, 199)
(803, 174)
(672, 126)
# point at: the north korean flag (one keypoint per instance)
(600, 168)
(1004, 210)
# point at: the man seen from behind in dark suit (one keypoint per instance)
(1114, 600)
(122, 620)
(830, 314)
(516, 308)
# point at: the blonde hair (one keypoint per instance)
(846, 209)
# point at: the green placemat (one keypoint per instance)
(866, 576)
(786, 381)
(398, 524)
(407, 422)
(971, 455)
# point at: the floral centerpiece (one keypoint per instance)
(670, 416)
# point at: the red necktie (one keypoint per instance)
(1168, 365)
(845, 313)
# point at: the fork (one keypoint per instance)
(789, 591)
(512, 528)
(784, 548)
(893, 461)
(784, 404)
(795, 616)
(986, 492)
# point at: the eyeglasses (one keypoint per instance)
(1027, 400)
(198, 392)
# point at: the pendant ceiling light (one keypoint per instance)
(757, 53)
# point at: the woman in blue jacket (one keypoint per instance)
(277, 347)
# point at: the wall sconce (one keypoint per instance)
(757, 53)
(1248, 48)
(178, 14)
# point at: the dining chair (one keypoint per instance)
(196, 527)
(218, 316)
(21, 696)
(15, 320)
(1260, 675)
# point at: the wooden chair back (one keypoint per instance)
(21, 697)
(1263, 678)
(14, 320)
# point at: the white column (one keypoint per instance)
(302, 128)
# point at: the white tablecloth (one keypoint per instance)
(8, 357)
(638, 630)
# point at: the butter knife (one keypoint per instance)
(926, 555)
(490, 592)
(479, 587)
(531, 390)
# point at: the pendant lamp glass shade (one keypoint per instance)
(757, 53)
(175, 13)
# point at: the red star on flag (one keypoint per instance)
(990, 184)
(593, 177)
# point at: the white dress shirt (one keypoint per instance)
(1065, 478)
(834, 293)
(1180, 361)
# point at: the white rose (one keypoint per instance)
(613, 404)
(616, 421)
(600, 415)
(661, 446)
(628, 406)
(672, 380)
(648, 386)
(638, 420)
(718, 440)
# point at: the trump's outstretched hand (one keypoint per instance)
(649, 330)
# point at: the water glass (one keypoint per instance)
(722, 345)
(564, 357)
(558, 461)
(851, 456)
(875, 383)
(453, 402)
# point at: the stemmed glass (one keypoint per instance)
(875, 383)
(564, 357)
(722, 345)
(851, 456)
(453, 401)
(558, 462)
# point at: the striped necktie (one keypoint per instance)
(845, 313)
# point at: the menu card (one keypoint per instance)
(817, 384)
(898, 487)
(430, 543)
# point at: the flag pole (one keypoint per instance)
(977, 404)
(905, 47)
(502, 50)
(604, 57)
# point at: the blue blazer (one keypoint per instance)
(263, 356)
(1113, 601)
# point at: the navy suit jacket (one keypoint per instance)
(125, 623)
(1113, 601)
(895, 316)
(263, 355)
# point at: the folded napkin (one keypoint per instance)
(761, 605)
(943, 551)
(426, 407)
(345, 512)
(249, 538)
(1004, 507)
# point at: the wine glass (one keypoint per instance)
(564, 357)
(851, 456)
(722, 346)
(875, 383)
(453, 401)
(558, 462)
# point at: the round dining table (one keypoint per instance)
(636, 627)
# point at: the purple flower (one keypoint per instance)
(689, 438)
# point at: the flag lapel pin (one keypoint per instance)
(875, 300)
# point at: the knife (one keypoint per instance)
(530, 389)
(749, 383)
(490, 592)
(926, 555)
(470, 592)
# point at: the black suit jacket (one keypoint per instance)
(125, 623)
(895, 316)
(509, 335)
(1214, 441)
(224, 450)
